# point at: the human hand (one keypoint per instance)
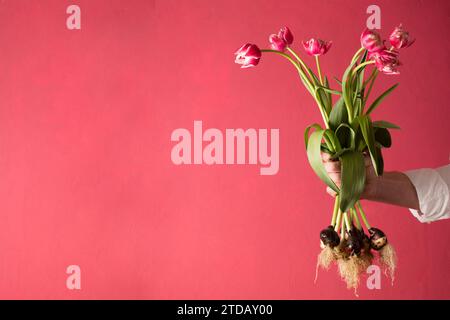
(333, 168)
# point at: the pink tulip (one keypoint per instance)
(248, 55)
(386, 61)
(371, 41)
(286, 35)
(316, 47)
(399, 38)
(276, 43)
(281, 40)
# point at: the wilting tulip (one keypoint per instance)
(316, 47)
(399, 38)
(248, 55)
(286, 35)
(386, 61)
(371, 41)
(276, 43)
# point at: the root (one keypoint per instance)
(324, 260)
(388, 259)
(349, 271)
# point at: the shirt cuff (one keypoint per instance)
(432, 193)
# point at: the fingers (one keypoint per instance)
(325, 156)
(332, 166)
(336, 177)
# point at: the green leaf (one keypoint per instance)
(308, 128)
(383, 137)
(315, 158)
(338, 114)
(380, 99)
(384, 124)
(336, 92)
(367, 132)
(380, 159)
(353, 175)
(346, 136)
(346, 87)
(338, 81)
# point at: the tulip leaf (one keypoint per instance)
(346, 136)
(384, 124)
(380, 99)
(315, 158)
(308, 128)
(338, 81)
(353, 173)
(338, 114)
(335, 92)
(330, 99)
(383, 137)
(367, 132)
(346, 87)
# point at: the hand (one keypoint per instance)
(333, 168)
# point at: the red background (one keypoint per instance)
(85, 170)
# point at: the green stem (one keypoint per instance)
(338, 220)
(296, 56)
(318, 70)
(296, 65)
(363, 215)
(370, 86)
(303, 75)
(357, 54)
(347, 223)
(374, 71)
(342, 228)
(335, 211)
(356, 218)
(362, 65)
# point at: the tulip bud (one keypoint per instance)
(399, 38)
(286, 35)
(248, 55)
(276, 43)
(316, 47)
(371, 41)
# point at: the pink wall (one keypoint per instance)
(85, 170)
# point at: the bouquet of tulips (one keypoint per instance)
(348, 135)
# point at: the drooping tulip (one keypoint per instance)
(276, 43)
(371, 41)
(316, 47)
(386, 61)
(400, 38)
(282, 40)
(286, 35)
(248, 55)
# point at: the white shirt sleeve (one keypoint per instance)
(432, 186)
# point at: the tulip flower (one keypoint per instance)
(399, 38)
(286, 35)
(316, 47)
(282, 40)
(386, 61)
(371, 41)
(277, 43)
(248, 55)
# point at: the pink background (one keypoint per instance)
(85, 170)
